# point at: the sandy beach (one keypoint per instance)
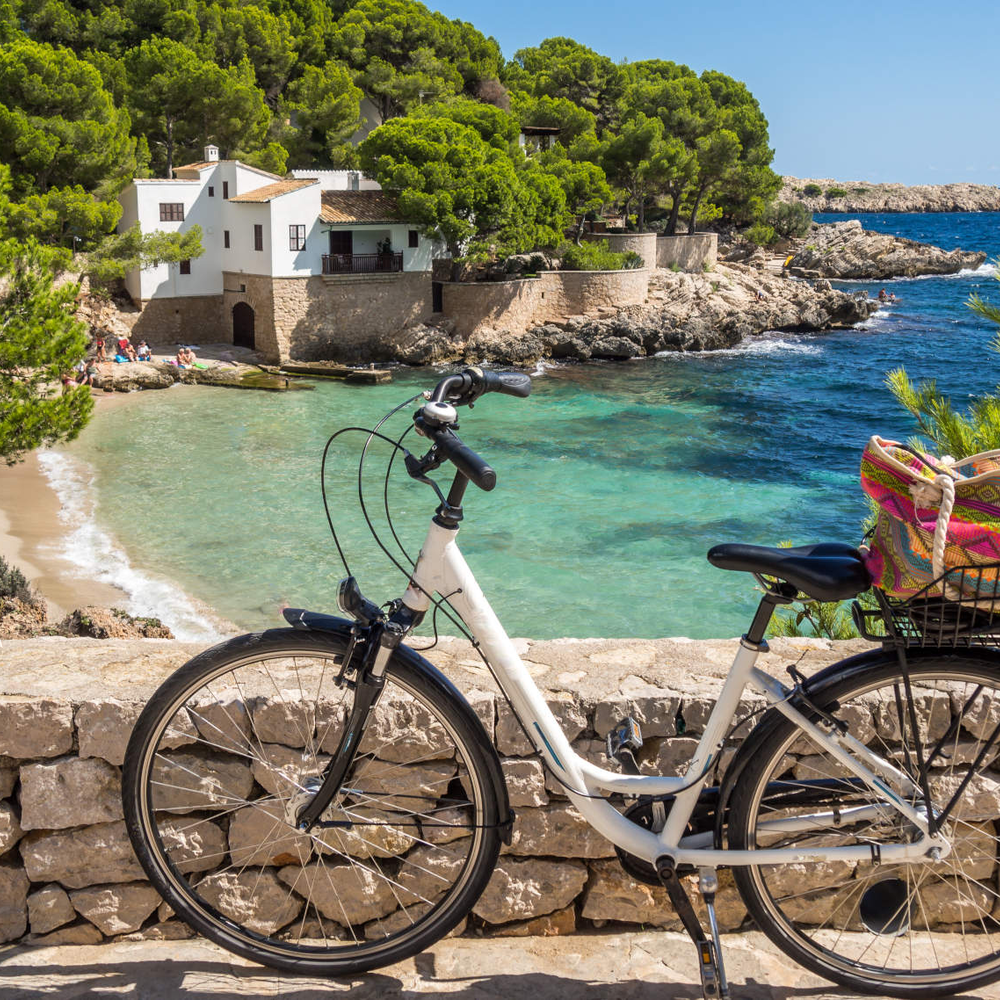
(30, 530)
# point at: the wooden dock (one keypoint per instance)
(327, 369)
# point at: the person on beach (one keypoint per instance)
(125, 349)
(100, 349)
(144, 353)
(68, 382)
(185, 358)
(882, 297)
(88, 372)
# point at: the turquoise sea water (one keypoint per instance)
(613, 479)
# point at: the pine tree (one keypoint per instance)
(40, 341)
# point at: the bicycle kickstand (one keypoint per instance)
(713, 974)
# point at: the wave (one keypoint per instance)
(96, 555)
(985, 270)
(769, 342)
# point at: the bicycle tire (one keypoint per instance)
(208, 796)
(843, 921)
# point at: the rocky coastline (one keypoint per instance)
(863, 196)
(707, 311)
(844, 250)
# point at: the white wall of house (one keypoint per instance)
(339, 180)
(367, 238)
(241, 255)
(297, 208)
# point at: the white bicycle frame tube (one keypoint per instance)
(442, 568)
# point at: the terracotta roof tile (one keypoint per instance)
(359, 207)
(205, 164)
(271, 191)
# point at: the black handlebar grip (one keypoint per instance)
(509, 383)
(464, 458)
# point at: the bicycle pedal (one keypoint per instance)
(711, 982)
(625, 736)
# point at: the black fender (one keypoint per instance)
(314, 621)
(815, 689)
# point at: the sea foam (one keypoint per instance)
(96, 555)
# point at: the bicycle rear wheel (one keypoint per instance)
(229, 749)
(927, 928)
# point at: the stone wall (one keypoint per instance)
(520, 304)
(644, 244)
(67, 873)
(687, 253)
(195, 319)
(257, 291)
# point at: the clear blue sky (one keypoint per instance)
(880, 91)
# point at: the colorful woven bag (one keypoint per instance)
(934, 514)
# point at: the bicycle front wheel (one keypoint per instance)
(230, 748)
(920, 929)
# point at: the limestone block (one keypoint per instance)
(653, 707)
(523, 890)
(284, 717)
(813, 893)
(104, 727)
(116, 909)
(401, 920)
(69, 792)
(194, 844)
(668, 756)
(556, 830)
(11, 830)
(77, 858)
(330, 718)
(416, 787)
(41, 727)
(379, 840)
(427, 872)
(933, 711)
(189, 781)
(8, 779)
(346, 894)
(953, 901)
(171, 930)
(82, 933)
(591, 750)
(510, 738)
(13, 902)
(180, 731)
(548, 925)
(404, 730)
(525, 779)
(48, 909)
(223, 724)
(259, 835)
(484, 705)
(255, 898)
(973, 849)
(283, 770)
(612, 894)
(979, 801)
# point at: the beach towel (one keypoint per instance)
(934, 514)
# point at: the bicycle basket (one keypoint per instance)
(929, 618)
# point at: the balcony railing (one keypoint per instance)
(362, 263)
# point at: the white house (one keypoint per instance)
(268, 240)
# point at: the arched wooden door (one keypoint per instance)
(243, 325)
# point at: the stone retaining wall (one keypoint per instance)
(67, 873)
(644, 244)
(189, 319)
(698, 252)
(520, 304)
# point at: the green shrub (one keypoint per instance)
(835, 193)
(595, 256)
(812, 190)
(860, 190)
(790, 218)
(13, 583)
(761, 233)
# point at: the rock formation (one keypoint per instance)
(685, 312)
(862, 196)
(846, 250)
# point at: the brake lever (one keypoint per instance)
(417, 469)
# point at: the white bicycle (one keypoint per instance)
(322, 799)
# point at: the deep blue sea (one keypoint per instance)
(614, 479)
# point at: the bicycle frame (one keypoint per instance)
(441, 567)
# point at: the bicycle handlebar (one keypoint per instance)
(437, 418)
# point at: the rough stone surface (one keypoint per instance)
(525, 782)
(548, 925)
(255, 898)
(48, 909)
(78, 934)
(116, 909)
(846, 250)
(13, 902)
(523, 890)
(77, 858)
(41, 727)
(864, 196)
(345, 894)
(103, 728)
(69, 792)
(8, 779)
(284, 718)
(510, 738)
(11, 830)
(188, 781)
(556, 830)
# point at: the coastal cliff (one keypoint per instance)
(846, 250)
(863, 196)
(707, 311)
